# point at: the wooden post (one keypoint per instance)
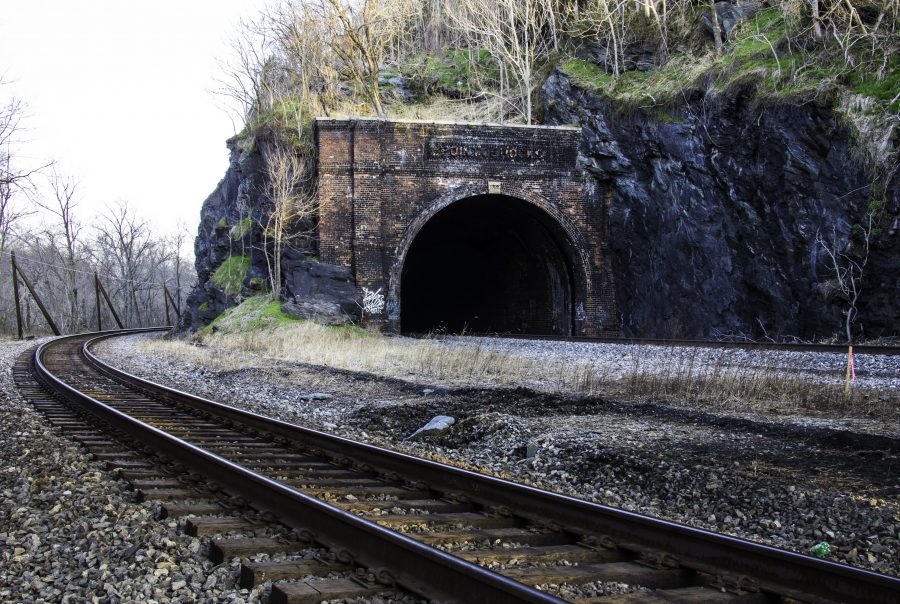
(850, 371)
(15, 279)
(137, 311)
(174, 301)
(97, 301)
(166, 300)
(39, 302)
(109, 304)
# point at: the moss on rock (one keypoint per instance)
(240, 229)
(230, 275)
(759, 61)
(256, 312)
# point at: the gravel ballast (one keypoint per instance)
(70, 532)
(792, 483)
(618, 360)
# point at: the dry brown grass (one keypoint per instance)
(443, 109)
(685, 377)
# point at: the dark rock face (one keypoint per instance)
(715, 211)
(232, 201)
(318, 291)
(879, 307)
(729, 15)
(641, 55)
(230, 226)
(318, 310)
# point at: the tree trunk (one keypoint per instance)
(717, 34)
(817, 23)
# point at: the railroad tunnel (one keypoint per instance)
(488, 264)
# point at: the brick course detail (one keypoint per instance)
(381, 181)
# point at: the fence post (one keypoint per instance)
(109, 304)
(166, 300)
(174, 301)
(97, 300)
(39, 302)
(15, 279)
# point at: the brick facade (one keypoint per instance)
(381, 181)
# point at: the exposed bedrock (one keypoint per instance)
(715, 210)
(215, 243)
(230, 261)
(318, 291)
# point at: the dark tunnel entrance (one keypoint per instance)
(488, 264)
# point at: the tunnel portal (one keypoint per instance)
(485, 228)
(487, 264)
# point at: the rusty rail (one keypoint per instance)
(770, 570)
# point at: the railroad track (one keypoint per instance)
(364, 520)
(779, 346)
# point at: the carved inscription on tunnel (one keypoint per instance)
(441, 149)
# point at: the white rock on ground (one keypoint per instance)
(438, 423)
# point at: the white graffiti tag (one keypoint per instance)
(373, 302)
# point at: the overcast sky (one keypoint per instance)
(120, 95)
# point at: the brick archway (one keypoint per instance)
(381, 182)
(574, 247)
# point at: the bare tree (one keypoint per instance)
(716, 30)
(358, 42)
(9, 213)
(603, 20)
(14, 179)
(179, 266)
(519, 35)
(292, 203)
(125, 243)
(242, 82)
(62, 203)
(281, 67)
(816, 19)
(133, 264)
(847, 267)
(305, 54)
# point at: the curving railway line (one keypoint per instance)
(386, 522)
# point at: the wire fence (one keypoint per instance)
(52, 297)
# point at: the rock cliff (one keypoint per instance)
(227, 231)
(229, 252)
(715, 208)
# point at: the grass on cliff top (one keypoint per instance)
(290, 118)
(230, 275)
(444, 109)
(755, 58)
(638, 89)
(451, 73)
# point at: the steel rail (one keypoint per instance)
(772, 346)
(777, 571)
(413, 565)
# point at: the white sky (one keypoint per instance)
(120, 95)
